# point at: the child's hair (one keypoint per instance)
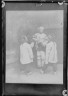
(49, 37)
(24, 39)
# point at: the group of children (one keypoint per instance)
(46, 50)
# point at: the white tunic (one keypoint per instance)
(51, 53)
(26, 54)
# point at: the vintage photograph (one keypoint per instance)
(34, 46)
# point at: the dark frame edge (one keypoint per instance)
(37, 1)
(65, 48)
(3, 44)
(12, 85)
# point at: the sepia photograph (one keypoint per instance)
(34, 46)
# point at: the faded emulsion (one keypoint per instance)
(35, 48)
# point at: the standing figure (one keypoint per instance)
(26, 53)
(51, 54)
(40, 39)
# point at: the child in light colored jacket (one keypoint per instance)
(26, 53)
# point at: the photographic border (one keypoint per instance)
(34, 89)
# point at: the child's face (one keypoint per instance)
(41, 30)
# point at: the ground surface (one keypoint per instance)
(15, 74)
